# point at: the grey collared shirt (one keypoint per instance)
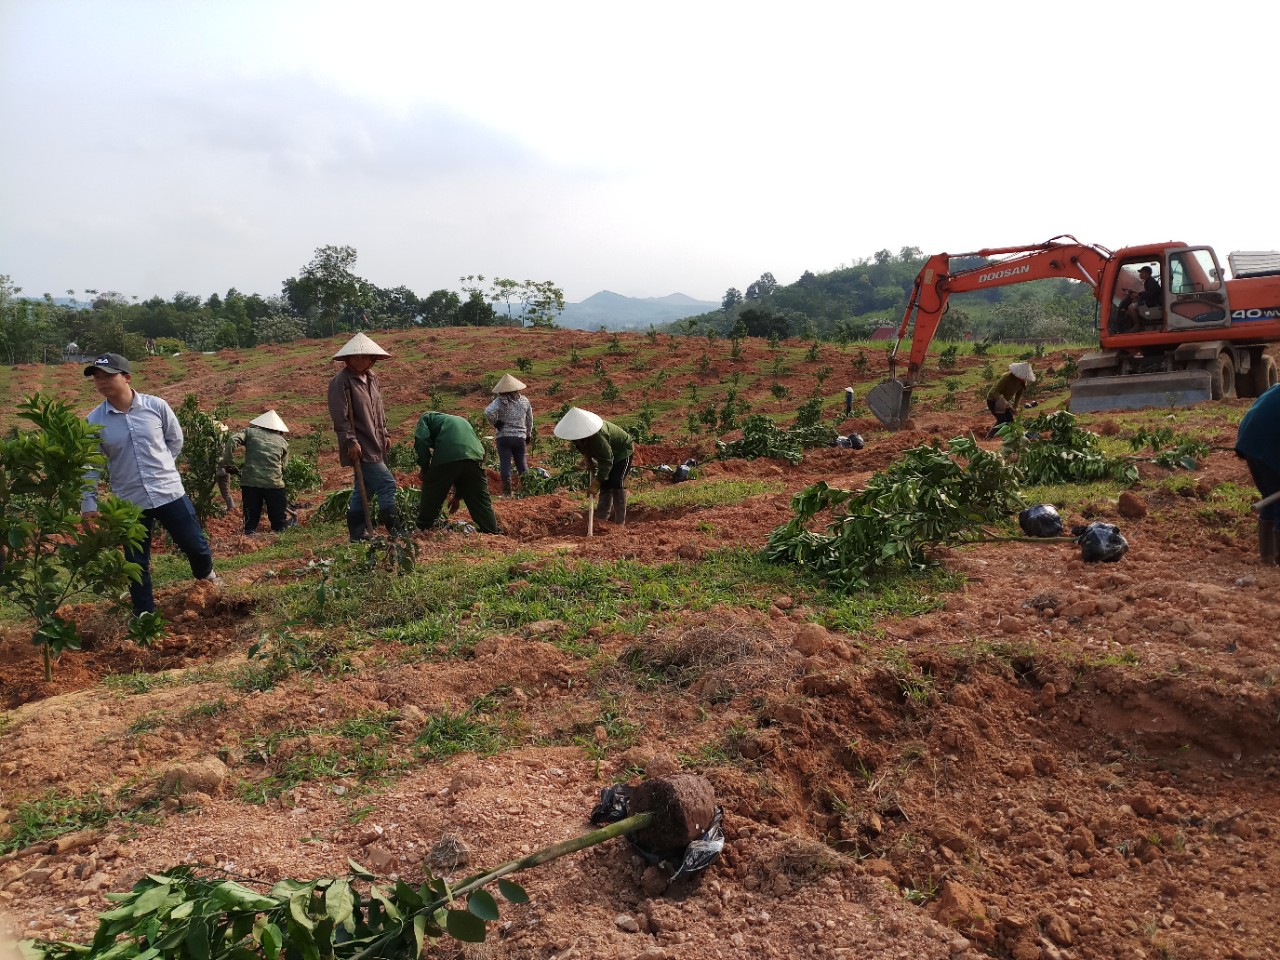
(141, 445)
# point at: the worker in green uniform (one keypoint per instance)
(451, 457)
(266, 451)
(609, 449)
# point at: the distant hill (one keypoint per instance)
(613, 311)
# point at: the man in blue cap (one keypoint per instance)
(142, 439)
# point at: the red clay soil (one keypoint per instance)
(1062, 760)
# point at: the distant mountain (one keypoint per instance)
(613, 311)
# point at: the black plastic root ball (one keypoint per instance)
(1041, 520)
(1101, 543)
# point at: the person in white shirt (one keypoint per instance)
(141, 438)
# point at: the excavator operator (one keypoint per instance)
(1147, 304)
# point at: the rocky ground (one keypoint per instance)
(1060, 760)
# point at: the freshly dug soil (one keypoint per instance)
(1057, 760)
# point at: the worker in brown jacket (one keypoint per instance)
(355, 406)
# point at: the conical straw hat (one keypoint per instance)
(270, 421)
(360, 346)
(508, 384)
(1022, 370)
(578, 425)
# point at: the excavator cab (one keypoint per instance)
(1196, 294)
(1126, 299)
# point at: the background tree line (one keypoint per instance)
(325, 298)
(851, 302)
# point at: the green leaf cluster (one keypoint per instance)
(930, 496)
(761, 437)
(202, 441)
(48, 556)
(1171, 451)
(180, 916)
(1063, 452)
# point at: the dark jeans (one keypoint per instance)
(1267, 480)
(509, 449)
(1006, 417)
(379, 485)
(468, 477)
(178, 518)
(277, 504)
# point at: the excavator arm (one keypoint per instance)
(1062, 256)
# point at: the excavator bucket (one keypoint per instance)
(1180, 388)
(891, 403)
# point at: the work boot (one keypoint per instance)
(356, 529)
(1267, 541)
(506, 486)
(603, 504)
(620, 507)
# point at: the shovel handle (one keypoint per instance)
(1266, 502)
(364, 496)
(591, 500)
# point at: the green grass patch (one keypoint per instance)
(1118, 658)
(909, 595)
(282, 654)
(471, 730)
(620, 733)
(205, 710)
(448, 604)
(1071, 496)
(149, 721)
(134, 683)
(1234, 497)
(54, 815)
(359, 748)
(703, 494)
(365, 749)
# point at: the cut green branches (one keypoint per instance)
(928, 498)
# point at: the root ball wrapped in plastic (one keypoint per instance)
(687, 834)
(1100, 542)
(1042, 520)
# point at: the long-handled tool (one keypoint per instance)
(364, 498)
(359, 469)
(1265, 502)
(591, 500)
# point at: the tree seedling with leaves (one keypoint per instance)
(202, 440)
(1181, 452)
(180, 916)
(49, 554)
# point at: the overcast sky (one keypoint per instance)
(152, 146)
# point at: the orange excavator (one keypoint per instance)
(1206, 340)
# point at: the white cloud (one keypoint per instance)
(691, 147)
